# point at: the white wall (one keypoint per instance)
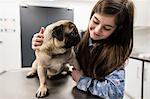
(10, 49)
(142, 13)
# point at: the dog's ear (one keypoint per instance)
(58, 32)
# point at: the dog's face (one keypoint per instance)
(64, 33)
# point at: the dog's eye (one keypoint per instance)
(71, 26)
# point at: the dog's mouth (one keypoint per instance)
(72, 39)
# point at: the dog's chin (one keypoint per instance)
(72, 39)
(71, 42)
(67, 46)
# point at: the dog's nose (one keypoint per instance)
(73, 34)
(72, 40)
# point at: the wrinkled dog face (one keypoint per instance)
(67, 33)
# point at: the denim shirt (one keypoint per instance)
(111, 88)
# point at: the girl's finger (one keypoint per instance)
(42, 30)
(38, 40)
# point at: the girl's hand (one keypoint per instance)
(76, 74)
(37, 39)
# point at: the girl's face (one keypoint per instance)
(101, 26)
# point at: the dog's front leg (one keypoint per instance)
(33, 72)
(42, 90)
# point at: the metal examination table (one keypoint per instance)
(15, 85)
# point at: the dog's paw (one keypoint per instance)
(71, 68)
(30, 74)
(64, 73)
(42, 92)
(68, 67)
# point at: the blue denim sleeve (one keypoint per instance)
(111, 88)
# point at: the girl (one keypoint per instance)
(105, 46)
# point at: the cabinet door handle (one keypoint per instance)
(1, 41)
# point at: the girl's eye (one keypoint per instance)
(107, 28)
(95, 22)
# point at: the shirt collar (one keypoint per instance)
(93, 44)
(90, 42)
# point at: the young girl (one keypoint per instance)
(104, 48)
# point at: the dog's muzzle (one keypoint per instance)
(72, 39)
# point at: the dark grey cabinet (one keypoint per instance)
(32, 18)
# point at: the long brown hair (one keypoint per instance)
(111, 53)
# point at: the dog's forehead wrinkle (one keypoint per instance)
(67, 24)
(62, 22)
(70, 29)
(67, 30)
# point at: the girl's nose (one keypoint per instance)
(98, 28)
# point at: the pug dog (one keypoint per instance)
(55, 52)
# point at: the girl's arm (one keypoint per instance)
(111, 88)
